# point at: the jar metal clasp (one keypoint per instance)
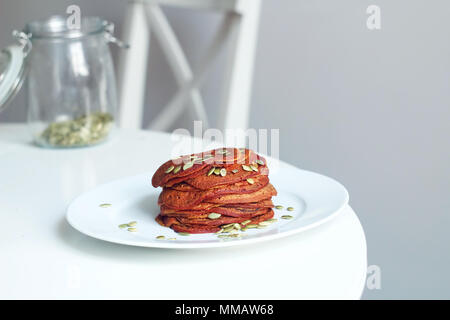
(24, 40)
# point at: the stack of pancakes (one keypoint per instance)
(203, 192)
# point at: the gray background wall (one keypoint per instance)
(370, 108)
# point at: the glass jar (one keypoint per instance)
(70, 83)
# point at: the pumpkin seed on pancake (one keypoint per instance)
(214, 215)
(217, 171)
(246, 168)
(260, 162)
(223, 172)
(169, 169)
(177, 169)
(188, 165)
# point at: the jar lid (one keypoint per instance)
(12, 73)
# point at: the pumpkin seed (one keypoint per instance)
(251, 226)
(287, 217)
(80, 131)
(278, 207)
(214, 215)
(188, 165)
(235, 171)
(132, 223)
(246, 222)
(254, 168)
(250, 180)
(160, 237)
(246, 168)
(227, 225)
(222, 236)
(237, 226)
(290, 209)
(105, 205)
(184, 233)
(261, 226)
(272, 220)
(260, 162)
(207, 157)
(244, 228)
(172, 239)
(220, 231)
(223, 172)
(223, 151)
(217, 171)
(132, 229)
(123, 226)
(210, 172)
(177, 169)
(264, 223)
(228, 229)
(169, 169)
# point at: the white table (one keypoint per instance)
(43, 257)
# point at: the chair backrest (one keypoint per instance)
(239, 27)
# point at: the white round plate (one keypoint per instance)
(314, 197)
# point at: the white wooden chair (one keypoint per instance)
(240, 25)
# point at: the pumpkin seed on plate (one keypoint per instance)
(228, 229)
(160, 237)
(264, 223)
(278, 207)
(132, 229)
(132, 223)
(290, 209)
(184, 233)
(251, 226)
(105, 205)
(123, 226)
(287, 217)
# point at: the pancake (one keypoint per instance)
(263, 194)
(233, 183)
(223, 156)
(207, 227)
(176, 198)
